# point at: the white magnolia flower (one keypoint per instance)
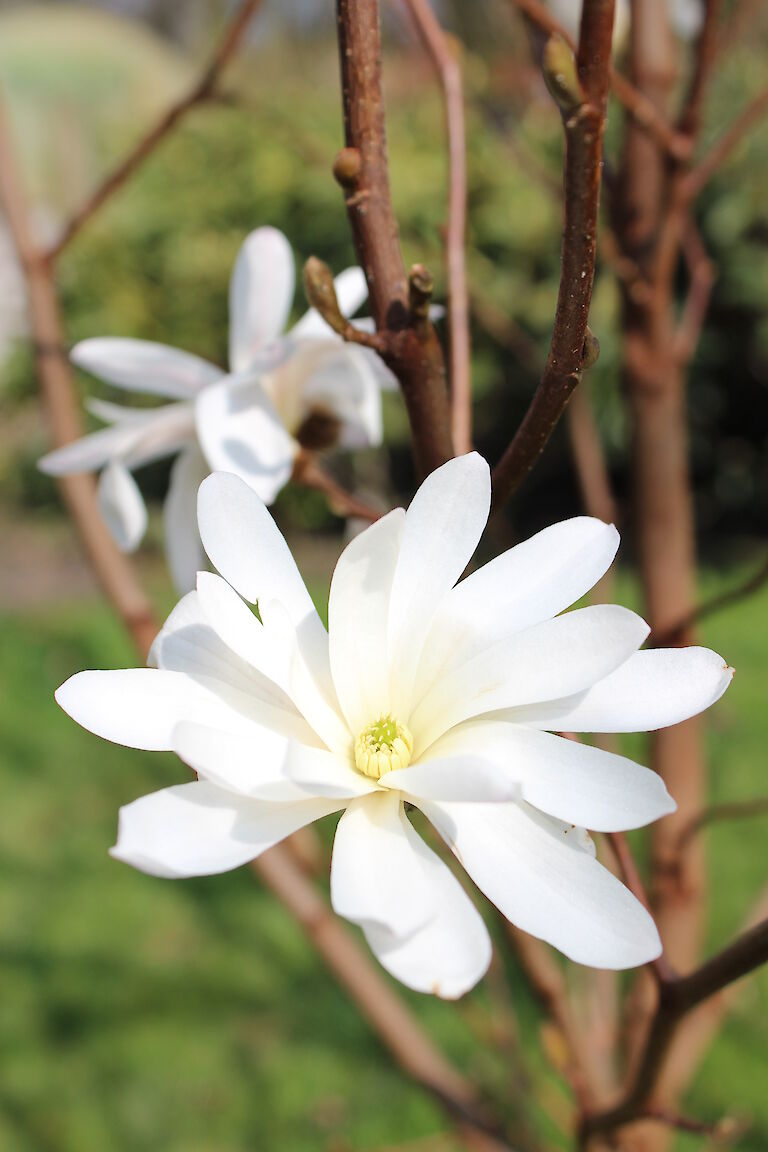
(304, 387)
(423, 692)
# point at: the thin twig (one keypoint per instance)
(731, 810)
(701, 273)
(448, 68)
(633, 880)
(399, 303)
(584, 124)
(308, 474)
(674, 635)
(678, 997)
(203, 90)
(642, 110)
(712, 160)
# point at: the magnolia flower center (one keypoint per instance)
(382, 747)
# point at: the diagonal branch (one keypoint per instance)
(582, 102)
(203, 90)
(676, 633)
(448, 69)
(703, 172)
(678, 997)
(399, 304)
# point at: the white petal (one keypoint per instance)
(376, 876)
(342, 382)
(550, 660)
(260, 294)
(546, 886)
(467, 778)
(247, 548)
(198, 829)
(264, 764)
(653, 689)
(451, 952)
(183, 546)
(122, 506)
(139, 707)
(358, 607)
(189, 644)
(240, 432)
(572, 781)
(442, 528)
(116, 413)
(235, 623)
(524, 586)
(91, 452)
(143, 366)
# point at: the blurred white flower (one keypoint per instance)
(303, 387)
(423, 692)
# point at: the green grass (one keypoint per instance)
(143, 1014)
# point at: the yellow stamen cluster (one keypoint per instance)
(382, 747)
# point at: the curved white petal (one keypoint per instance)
(653, 689)
(188, 643)
(90, 452)
(451, 952)
(572, 781)
(550, 660)
(376, 876)
(198, 829)
(342, 381)
(240, 432)
(140, 707)
(122, 506)
(232, 620)
(546, 885)
(183, 546)
(358, 607)
(143, 366)
(443, 525)
(111, 413)
(524, 586)
(468, 777)
(260, 294)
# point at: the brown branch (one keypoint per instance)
(203, 90)
(583, 111)
(731, 810)
(701, 272)
(633, 880)
(589, 458)
(678, 997)
(642, 110)
(676, 633)
(307, 473)
(379, 1004)
(410, 344)
(706, 48)
(722, 1130)
(110, 566)
(712, 160)
(448, 68)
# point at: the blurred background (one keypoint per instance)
(139, 1014)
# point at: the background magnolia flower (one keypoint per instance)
(442, 695)
(302, 387)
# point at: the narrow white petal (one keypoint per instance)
(357, 620)
(260, 295)
(442, 528)
(198, 829)
(553, 659)
(468, 777)
(143, 366)
(451, 952)
(122, 506)
(240, 431)
(653, 689)
(376, 876)
(139, 707)
(232, 620)
(572, 781)
(111, 413)
(547, 886)
(183, 546)
(91, 452)
(524, 586)
(342, 381)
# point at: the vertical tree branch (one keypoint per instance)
(583, 109)
(448, 68)
(400, 307)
